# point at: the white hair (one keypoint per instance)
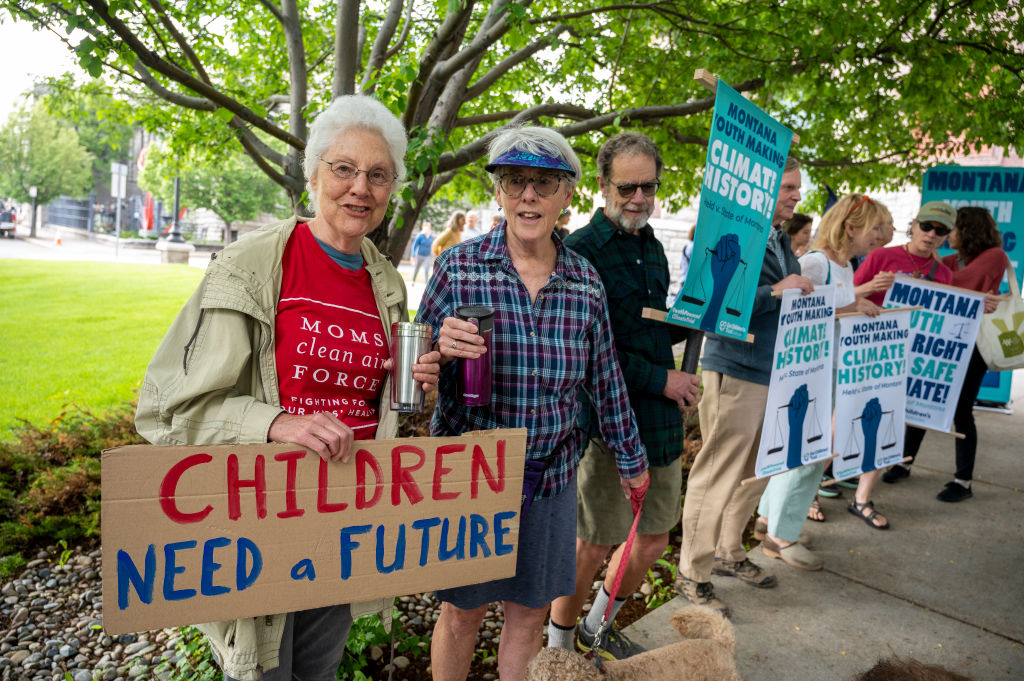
(534, 139)
(346, 112)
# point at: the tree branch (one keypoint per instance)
(273, 10)
(443, 39)
(346, 38)
(379, 51)
(183, 44)
(156, 63)
(511, 61)
(296, 67)
(406, 27)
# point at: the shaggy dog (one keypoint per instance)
(706, 655)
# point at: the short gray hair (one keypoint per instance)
(628, 142)
(792, 163)
(534, 139)
(346, 112)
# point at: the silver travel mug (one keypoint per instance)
(409, 341)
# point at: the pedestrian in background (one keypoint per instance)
(452, 233)
(422, 252)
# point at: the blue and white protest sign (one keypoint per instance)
(747, 151)
(1001, 191)
(799, 409)
(942, 338)
(871, 392)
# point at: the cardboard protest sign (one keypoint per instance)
(747, 151)
(200, 534)
(1000, 190)
(871, 392)
(941, 342)
(798, 414)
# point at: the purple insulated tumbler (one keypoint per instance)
(474, 375)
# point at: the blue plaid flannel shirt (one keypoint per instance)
(544, 352)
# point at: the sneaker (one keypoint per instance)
(746, 571)
(614, 644)
(896, 473)
(954, 491)
(829, 491)
(700, 593)
(849, 483)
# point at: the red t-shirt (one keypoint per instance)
(983, 274)
(330, 344)
(897, 259)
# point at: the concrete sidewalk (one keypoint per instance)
(944, 585)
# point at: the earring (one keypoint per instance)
(565, 211)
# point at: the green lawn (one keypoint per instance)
(80, 333)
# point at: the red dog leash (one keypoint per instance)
(636, 500)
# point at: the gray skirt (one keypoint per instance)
(545, 563)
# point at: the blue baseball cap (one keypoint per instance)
(515, 157)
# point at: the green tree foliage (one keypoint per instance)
(874, 89)
(102, 121)
(228, 184)
(38, 150)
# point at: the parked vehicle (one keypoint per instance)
(8, 218)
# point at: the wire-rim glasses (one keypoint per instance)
(379, 177)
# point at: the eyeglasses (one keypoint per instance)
(380, 177)
(629, 189)
(544, 185)
(865, 199)
(941, 230)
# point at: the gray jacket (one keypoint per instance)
(213, 380)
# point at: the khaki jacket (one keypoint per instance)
(213, 380)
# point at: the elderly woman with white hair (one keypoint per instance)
(231, 369)
(551, 344)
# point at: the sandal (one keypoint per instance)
(815, 513)
(867, 513)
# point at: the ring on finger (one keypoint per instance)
(454, 344)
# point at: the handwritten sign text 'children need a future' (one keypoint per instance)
(201, 534)
(942, 339)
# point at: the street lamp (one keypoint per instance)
(32, 191)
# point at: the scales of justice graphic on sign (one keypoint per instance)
(747, 152)
(871, 394)
(799, 406)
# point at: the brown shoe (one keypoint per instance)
(700, 593)
(746, 571)
(796, 554)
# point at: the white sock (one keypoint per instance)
(560, 637)
(966, 484)
(593, 621)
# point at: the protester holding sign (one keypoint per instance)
(291, 318)
(851, 227)
(918, 258)
(736, 376)
(551, 348)
(978, 264)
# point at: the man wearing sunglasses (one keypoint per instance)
(634, 271)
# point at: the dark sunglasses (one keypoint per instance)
(627, 190)
(941, 230)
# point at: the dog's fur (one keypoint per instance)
(708, 654)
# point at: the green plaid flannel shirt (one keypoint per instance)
(634, 272)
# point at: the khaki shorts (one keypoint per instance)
(603, 513)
